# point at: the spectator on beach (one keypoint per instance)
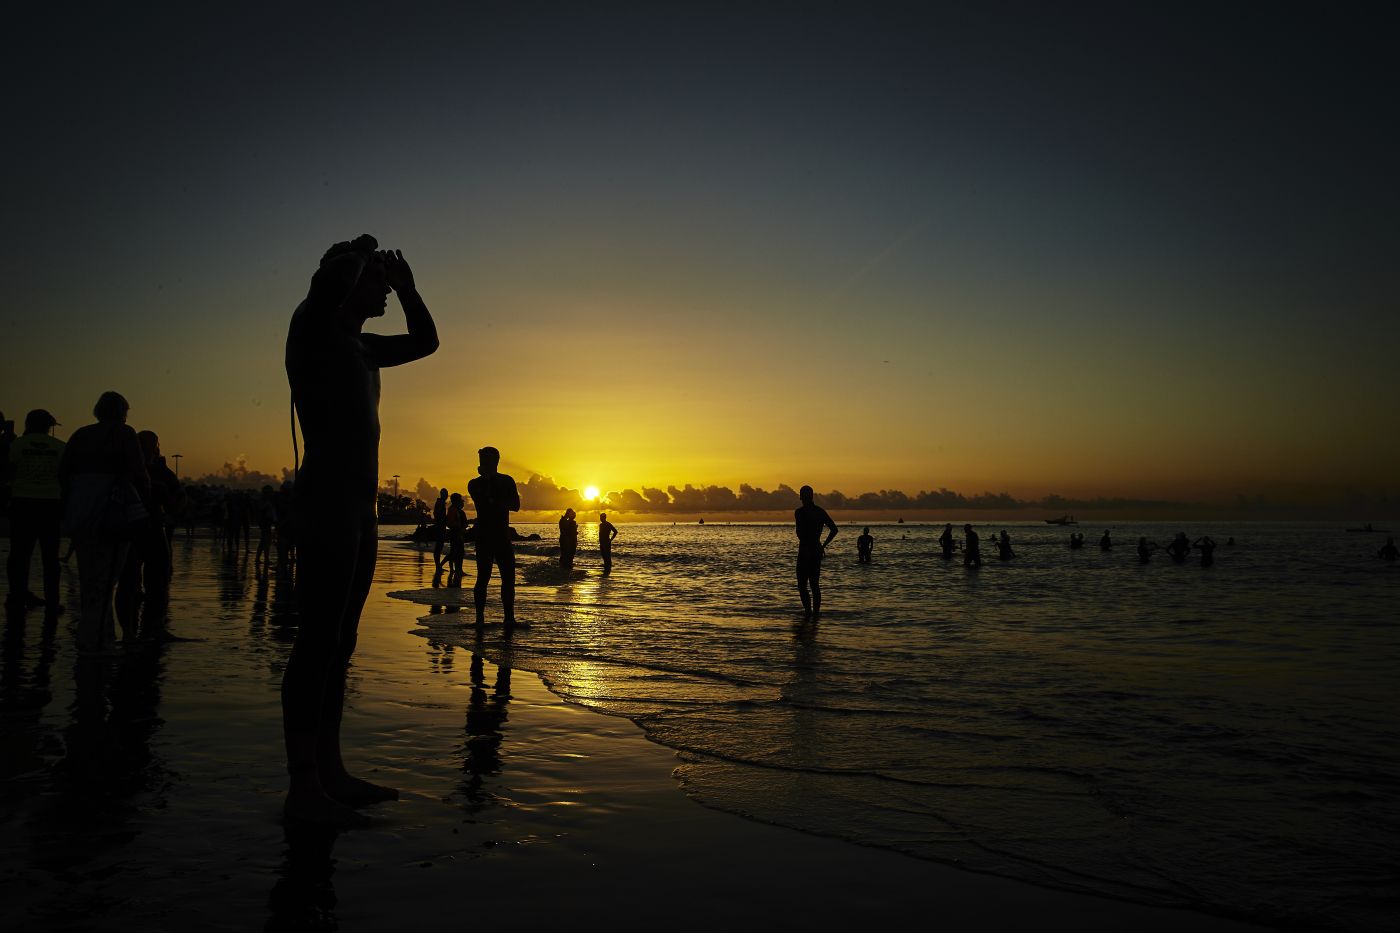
(972, 547)
(333, 369)
(104, 482)
(495, 496)
(1145, 549)
(568, 539)
(145, 578)
(865, 546)
(36, 510)
(439, 530)
(606, 532)
(946, 541)
(810, 519)
(455, 528)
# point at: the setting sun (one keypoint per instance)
(590, 493)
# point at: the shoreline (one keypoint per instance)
(158, 807)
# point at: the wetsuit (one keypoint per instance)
(865, 544)
(568, 542)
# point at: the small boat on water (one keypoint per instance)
(1062, 520)
(1369, 530)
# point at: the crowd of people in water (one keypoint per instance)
(110, 491)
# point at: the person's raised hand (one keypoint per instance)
(396, 270)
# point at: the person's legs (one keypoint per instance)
(607, 559)
(802, 586)
(313, 685)
(128, 587)
(816, 582)
(505, 559)
(484, 559)
(23, 534)
(50, 518)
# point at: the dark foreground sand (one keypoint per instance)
(144, 793)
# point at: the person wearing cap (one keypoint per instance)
(495, 496)
(333, 370)
(35, 510)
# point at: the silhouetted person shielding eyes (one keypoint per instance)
(865, 546)
(495, 496)
(333, 370)
(811, 519)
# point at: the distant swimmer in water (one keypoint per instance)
(972, 549)
(945, 541)
(1388, 552)
(1076, 540)
(1105, 543)
(1230, 541)
(1004, 551)
(1206, 546)
(811, 519)
(865, 546)
(568, 539)
(1145, 549)
(1180, 548)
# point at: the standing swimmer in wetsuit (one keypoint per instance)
(1389, 551)
(495, 496)
(1206, 545)
(865, 546)
(1180, 547)
(811, 519)
(333, 370)
(1145, 549)
(1106, 542)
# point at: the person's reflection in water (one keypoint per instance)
(108, 772)
(303, 899)
(486, 715)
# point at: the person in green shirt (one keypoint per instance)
(35, 511)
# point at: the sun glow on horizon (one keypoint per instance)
(590, 493)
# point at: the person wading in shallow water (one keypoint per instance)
(811, 519)
(333, 370)
(495, 496)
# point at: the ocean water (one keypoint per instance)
(1222, 737)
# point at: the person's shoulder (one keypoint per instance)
(506, 478)
(474, 483)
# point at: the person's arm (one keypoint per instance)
(514, 504)
(826, 520)
(421, 339)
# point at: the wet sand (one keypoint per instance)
(144, 793)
